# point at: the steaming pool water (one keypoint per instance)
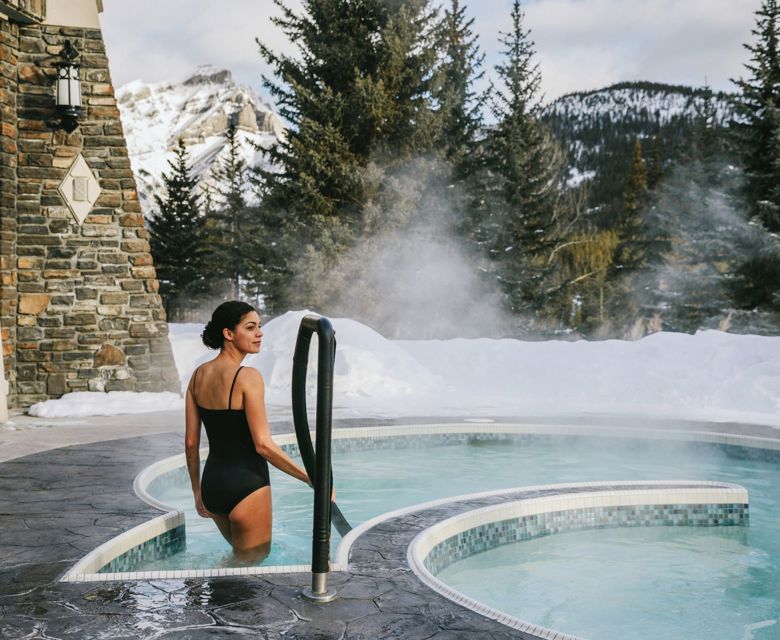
(677, 582)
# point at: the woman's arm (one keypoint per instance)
(192, 447)
(254, 405)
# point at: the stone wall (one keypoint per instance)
(81, 300)
(9, 44)
(30, 10)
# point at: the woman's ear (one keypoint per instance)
(227, 334)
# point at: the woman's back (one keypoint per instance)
(214, 386)
(226, 426)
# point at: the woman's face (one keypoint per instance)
(247, 336)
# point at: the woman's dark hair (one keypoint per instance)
(225, 316)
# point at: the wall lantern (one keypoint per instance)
(68, 88)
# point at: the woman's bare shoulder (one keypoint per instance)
(198, 371)
(252, 376)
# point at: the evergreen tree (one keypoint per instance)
(757, 125)
(655, 163)
(707, 141)
(643, 240)
(757, 134)
(404, 81)
(519, 210)
(459, 107)
(630, 254)
(239, 246)
(636, 193)
(357, 97)
(177, 235)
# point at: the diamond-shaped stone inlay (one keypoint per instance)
(80, 189)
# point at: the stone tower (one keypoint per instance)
(79, 307)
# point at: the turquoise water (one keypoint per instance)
(610, 584)
(725, 580)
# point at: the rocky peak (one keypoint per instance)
(206, 74)
(197, 110)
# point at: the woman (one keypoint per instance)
(230, 400)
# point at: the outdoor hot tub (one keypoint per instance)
(667, 507)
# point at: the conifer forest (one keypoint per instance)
(548, 222)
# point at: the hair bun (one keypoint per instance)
(211, 336)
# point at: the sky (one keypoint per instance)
(580, 44)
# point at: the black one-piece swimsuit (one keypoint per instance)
(233, 468)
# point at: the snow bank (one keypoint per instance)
(367, 364)
(88, 403)
(710, 375)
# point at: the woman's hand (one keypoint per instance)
(200, 508)
(332, 489)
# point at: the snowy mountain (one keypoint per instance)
(639, 102)
(598, 129)
(198, 110)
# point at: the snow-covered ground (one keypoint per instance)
(710, 375)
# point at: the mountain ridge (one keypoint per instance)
(196, 109)
(597, 127)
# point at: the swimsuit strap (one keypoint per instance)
(230, 397)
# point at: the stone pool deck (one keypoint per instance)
(66, 487)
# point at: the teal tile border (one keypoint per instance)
(494, 534)
(159, 547)
(534, 512)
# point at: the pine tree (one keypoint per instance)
(331, 131)
(519, 211)
(239, 246)
(630, 254)
(357, 97)
(643, 238)
(403, 82)
(757, 125)
(176, 235)
(459, 107)
(643, 241)
(757, 132)
(707, 143)
(655, 163)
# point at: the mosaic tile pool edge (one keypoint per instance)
(494, 534)
(158, 547)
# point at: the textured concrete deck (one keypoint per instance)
(59, 503)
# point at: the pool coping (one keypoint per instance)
(87, 568)
(604, 494)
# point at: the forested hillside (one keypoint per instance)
(599, 128)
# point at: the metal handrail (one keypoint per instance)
(318, 465)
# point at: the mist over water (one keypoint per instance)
(416, 278)
(692, 287)
(423, 285)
